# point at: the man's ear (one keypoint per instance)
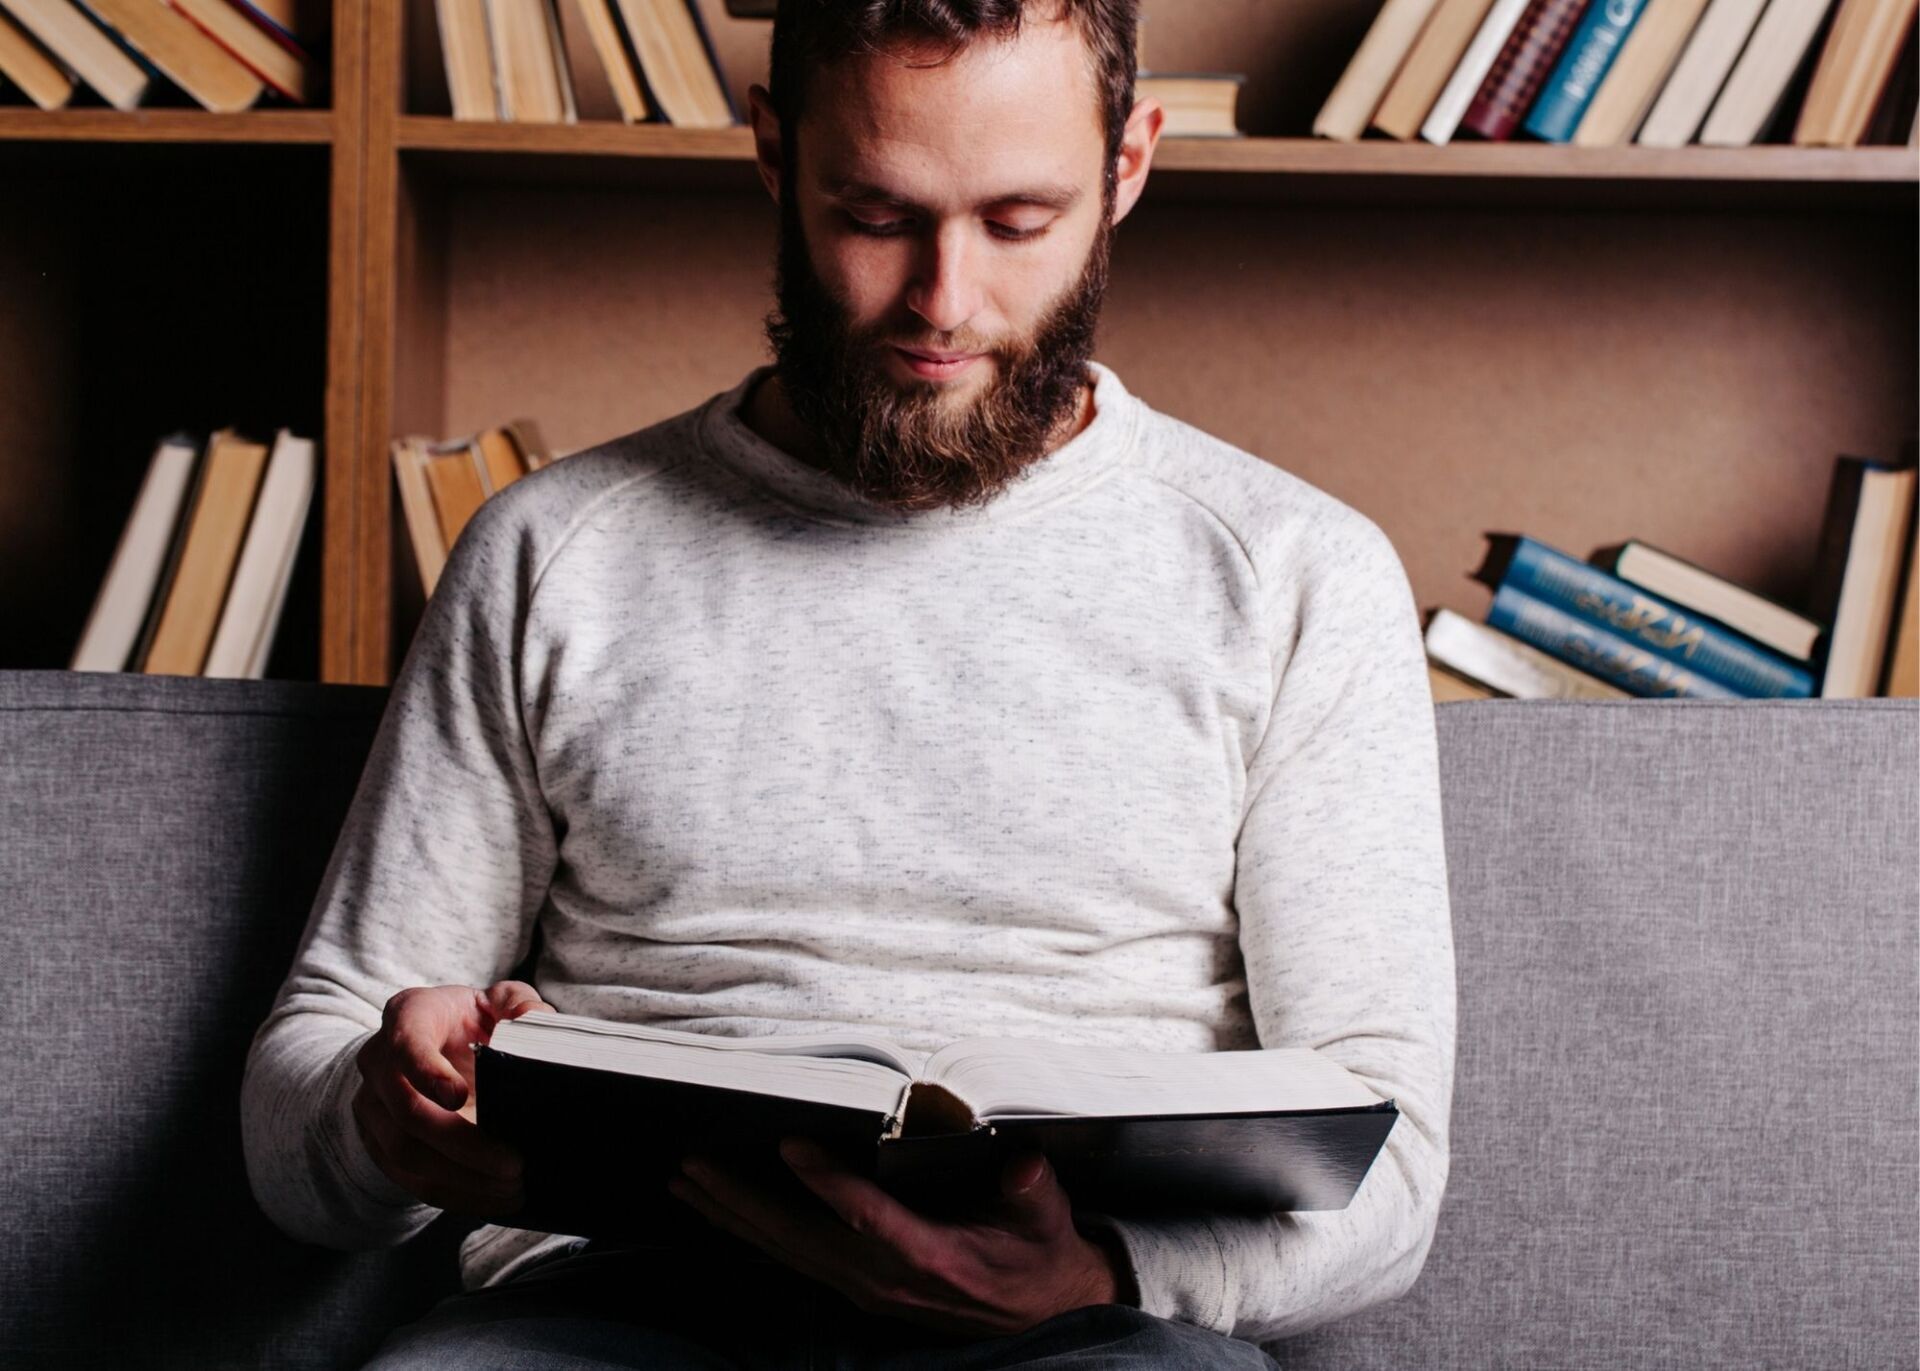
(1137, 142)
(767, 150)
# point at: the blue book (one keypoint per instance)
(1645, 620)
(1597, 651)
(1582, 65)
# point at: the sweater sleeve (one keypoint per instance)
(436, 879)
(1346, 932)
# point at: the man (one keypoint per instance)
(928, 682)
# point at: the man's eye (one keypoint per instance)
(1014, 235)
(890, 228)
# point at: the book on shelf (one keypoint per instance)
(1866, 536)
(257, 592)
(1663, 73)
(529, 64)
(1903, 658)
(605, 84)
(86, 49)
(1648, 622)
(1500, 664)
(1597, 649)
(467, 56)
(1198, 104)
(675, 57)
(1793, 635)
(186, 56)
(257, 43)
(37, 72)
(210, 547)
(603, 1112)
(441, 484)
(139, 564)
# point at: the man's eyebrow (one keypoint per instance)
(1049, 197)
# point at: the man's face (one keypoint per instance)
(934, 211)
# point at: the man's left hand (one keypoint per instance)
(1013, 1263)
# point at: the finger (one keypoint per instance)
(446, 1131)
(510, 999)
(1030, 1198)
(415, 1029)
(812, 1237)
(860, 1204)
(427, 1175)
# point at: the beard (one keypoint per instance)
(916, 447)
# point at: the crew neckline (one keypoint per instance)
(1081, 461)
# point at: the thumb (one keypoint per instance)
(1027, 1185)
(510, 999)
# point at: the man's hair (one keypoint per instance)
(808, 34)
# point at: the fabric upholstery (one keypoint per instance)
(1685, 1128)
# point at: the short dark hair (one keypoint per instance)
(808, 34)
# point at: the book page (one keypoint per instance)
(1005, 1077)
(831, 1068)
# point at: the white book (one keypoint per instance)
(1457, 95)
(1502, 662)
(1702, 70)
(1760, 78)
(251, 614)
(120, 608)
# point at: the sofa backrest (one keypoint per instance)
(1684, 1133)
(161, 840)
(1684, 1123)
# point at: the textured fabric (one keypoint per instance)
(602, 1309)
(160, 842)
(1685, 1118)
(1140, 753)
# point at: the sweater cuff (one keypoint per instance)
(1179, 1267)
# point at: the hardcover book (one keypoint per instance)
(603, 1113)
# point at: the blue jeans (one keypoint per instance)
(604, 1306)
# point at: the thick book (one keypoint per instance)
(1361, 87)
(1582, 67)
(89, 50)
(1467, 76)
(1674, 579)
(264, 574)
(1598, 651)
(1643, 619)
(1711, 51)
(602, 1114)
(1760, 87)
(1433, 58)
(1856, 571)
(32, 68)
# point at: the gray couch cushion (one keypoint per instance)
(163, 839)
(1685, 1127)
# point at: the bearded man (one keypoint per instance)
(928, 683)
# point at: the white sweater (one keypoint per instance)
(1142, 752)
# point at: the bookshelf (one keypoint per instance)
(1579, 344)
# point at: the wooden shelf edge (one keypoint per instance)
(165, 126)
(1248, 156)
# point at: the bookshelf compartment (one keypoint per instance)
(142, 290)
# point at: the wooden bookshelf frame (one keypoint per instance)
(373, 217)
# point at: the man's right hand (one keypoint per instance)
(414, 1106)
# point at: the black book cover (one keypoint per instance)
(600, 1146)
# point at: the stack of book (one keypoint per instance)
(201, 571)
(442, 483)
(561, 61)
(1664, 73)
(1633, 620)
(223, 54)
(1198, 104)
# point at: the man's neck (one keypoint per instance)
(768, 413)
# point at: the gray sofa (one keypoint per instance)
(1685, 1128)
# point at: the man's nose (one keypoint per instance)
(945, 291)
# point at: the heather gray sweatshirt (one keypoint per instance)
(1142, 752)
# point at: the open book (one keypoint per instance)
(603, 1112)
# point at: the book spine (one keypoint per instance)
(1581, 69)
(1522, 66)
(1596, 650)
(1653, 624)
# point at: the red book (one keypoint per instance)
(1522, 67)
